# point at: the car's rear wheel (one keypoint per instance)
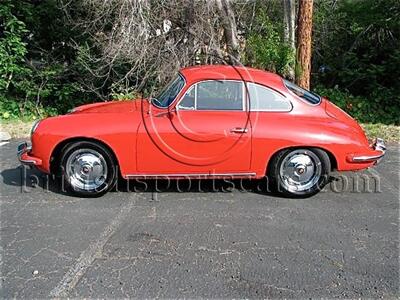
(88, 168)
(300, 172)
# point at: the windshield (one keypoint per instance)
(169, 92)
(302, 93)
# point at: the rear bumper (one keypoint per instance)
(375, 155)
(23, 154)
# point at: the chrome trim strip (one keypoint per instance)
(378, 145)
(27, 161)
(367, 158)
(239, 130)
(195, 96)
(191, 175)
(244, 99)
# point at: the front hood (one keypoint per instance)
(112, 107)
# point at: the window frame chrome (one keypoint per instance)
(195, 85)
(176, 97)
(301, 99)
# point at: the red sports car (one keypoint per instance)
(208, 122)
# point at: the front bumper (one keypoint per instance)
(23, 154)
(375, 155)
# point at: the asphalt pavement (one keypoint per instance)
(210, 241)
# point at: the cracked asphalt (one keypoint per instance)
(343, 242)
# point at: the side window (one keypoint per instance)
(188, 101)
(219, 95)
(264, 99)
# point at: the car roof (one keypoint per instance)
(227, 72)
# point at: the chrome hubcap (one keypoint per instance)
(86, 169)
(300, 170)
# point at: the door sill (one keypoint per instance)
(191, 175)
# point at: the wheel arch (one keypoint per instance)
(331, 156)
(56, 153)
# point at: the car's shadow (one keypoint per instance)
(27, 179)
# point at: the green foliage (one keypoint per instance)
(35, 79)
(11, 109)
(48, 66)
(265, 48)
(360, 43)
(361, 108)
(12, 47)
(125, 94)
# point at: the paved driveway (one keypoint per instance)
(343, 242)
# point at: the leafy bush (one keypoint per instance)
(32, 82)
(12, 48)
(48, 66)
(361, 108)
(358, 42)
(265, 48)
(14, 109)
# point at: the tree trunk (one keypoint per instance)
(289, 20)
(289, 9)
(304, 31)
(228, 22)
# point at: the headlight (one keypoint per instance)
(35, 125)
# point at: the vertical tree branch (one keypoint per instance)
(289, 18)
(230, 30)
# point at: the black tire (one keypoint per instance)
(110, 174)
(279, 184)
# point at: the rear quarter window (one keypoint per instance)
(308, 96)
(265, 99)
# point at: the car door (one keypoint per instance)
(208, 131)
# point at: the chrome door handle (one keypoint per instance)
(239, 130)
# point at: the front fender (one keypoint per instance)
(116, 130)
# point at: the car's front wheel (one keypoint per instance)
(88, 168)
(300, 172)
